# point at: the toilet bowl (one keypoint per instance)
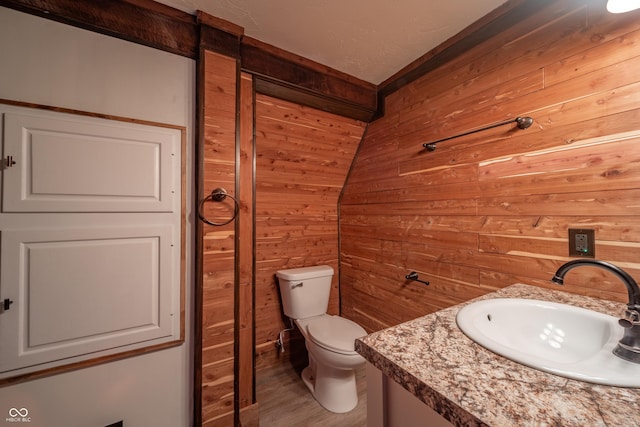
(330, 340)
(330, 375)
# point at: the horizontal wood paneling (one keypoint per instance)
(503, 25)
(303, 156)
(218, 299)
(493, 208)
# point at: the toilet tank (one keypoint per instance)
(305, 291)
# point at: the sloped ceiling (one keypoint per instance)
(368, 39)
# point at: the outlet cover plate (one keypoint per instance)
(582, 242)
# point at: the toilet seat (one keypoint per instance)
(335, 333)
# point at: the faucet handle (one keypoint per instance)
(631, 319)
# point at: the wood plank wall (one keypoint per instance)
(303, 156)
(219, 78)
(491, 209)
(245, 300)
(227, 319)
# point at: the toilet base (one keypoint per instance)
(331, 376)
(308, 379)
(334, 389)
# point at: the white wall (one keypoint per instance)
(45, 62)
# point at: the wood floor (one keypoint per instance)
(285, 401)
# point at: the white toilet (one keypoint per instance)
(329, 339)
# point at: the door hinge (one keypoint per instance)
(6, 304)
(8, 162)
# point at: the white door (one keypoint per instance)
(90, 232)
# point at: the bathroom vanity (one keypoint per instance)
(427, 372)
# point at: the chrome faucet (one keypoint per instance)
(628, 347)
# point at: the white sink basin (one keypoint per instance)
(560, 339)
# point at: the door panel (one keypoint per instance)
(79, 291)
(87, 165)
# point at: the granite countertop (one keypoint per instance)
(471, 386)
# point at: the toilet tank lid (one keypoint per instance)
(303, 273)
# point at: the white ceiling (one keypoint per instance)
(368, 39)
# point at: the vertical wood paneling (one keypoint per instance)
(302, 159)
(218, 322)
(493, 208)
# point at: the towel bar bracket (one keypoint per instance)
(414, 277)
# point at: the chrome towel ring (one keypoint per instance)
(218, 195)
